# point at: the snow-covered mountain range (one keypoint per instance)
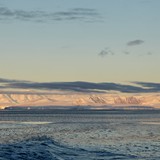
(92, 100)
(133, 95)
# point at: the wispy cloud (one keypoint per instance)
(78, 86)
(135, 42)
(149, 53)
(3, 80)
(85, 14)
(126, 52)
(106, 52)
(155, 87)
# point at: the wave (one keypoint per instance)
(45, 148)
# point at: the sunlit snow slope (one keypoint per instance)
(92, 100)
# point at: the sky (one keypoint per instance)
(80, 40)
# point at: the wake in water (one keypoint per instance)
(45, 148)
(79, 136)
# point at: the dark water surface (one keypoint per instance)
(79, 135)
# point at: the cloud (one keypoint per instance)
(153, 87)
(3, 80)
(84, 14)
(126, 52)
(149, 53)
(106, 52)
(135, 42)
(79, 86)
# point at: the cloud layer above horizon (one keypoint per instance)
(79, 86)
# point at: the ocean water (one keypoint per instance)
(80, 135)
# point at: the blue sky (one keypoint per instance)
(80, 40)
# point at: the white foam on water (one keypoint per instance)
(35, 122)
(154, 123)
